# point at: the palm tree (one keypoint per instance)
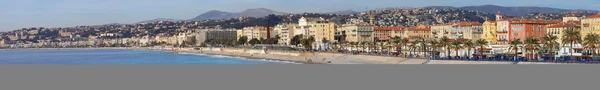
(363, 46)
(515, 45)
(445, 42)
(434, 44)
(396, 40)
(590, 42)
(335, 45)
(469, 45)
(413, 47)
(403, 43)
(571, 36)
(457, 45)
(550, 43)
(481, 43)
(531, 44)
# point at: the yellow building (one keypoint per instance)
(590, 24)
(323, 30)
(489, 32)
(362, 32)
(557, 29)
(419, 32)
(320, 28)
(398, 32)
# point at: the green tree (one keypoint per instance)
(445, 42)
(307, 43)
(254, 41)
(434, 46)
(550, 43)
(481, 43)
(469, 45)
(590, 42)
(531, 44)
(414, 46)
(515, 45)
(457, 45)
(242, 40)
(296, 40)
(571, 36)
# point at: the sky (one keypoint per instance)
(16, 14)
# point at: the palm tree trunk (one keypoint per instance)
(551, 51)
(456, 52)
(448, 51)
(571, 49)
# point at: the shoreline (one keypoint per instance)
(294, 57)
(284, 56)
(176, 51)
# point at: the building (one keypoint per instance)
(557, 29)
(384, 34)
(441, 30)
(590, 24)
(285, 32)
(257, 32)
(467, 30)
(323, 30)
(319, 28)
(215, 34)
(418, 33)
(489, 32)
(458, 30)
(503, 30)
(522, 29)
(398, 31)
(362, 32)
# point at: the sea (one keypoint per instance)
(120, 57)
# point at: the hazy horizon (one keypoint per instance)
(18, 14)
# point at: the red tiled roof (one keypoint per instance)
(536, 21)
(594, 16)
(570, 24)
(419, 29)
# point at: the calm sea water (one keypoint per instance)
(117, 57)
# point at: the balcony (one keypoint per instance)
(502, 39)
(502, 31)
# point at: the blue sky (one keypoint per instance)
(15, 14)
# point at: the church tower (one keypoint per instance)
(371, 18)
(499, 16)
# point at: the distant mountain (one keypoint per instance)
(255, 12)
(158, 19)
(344, 12)
(512, 11)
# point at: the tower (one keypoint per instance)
(268, 30)
(499, 16)
(371, 18)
